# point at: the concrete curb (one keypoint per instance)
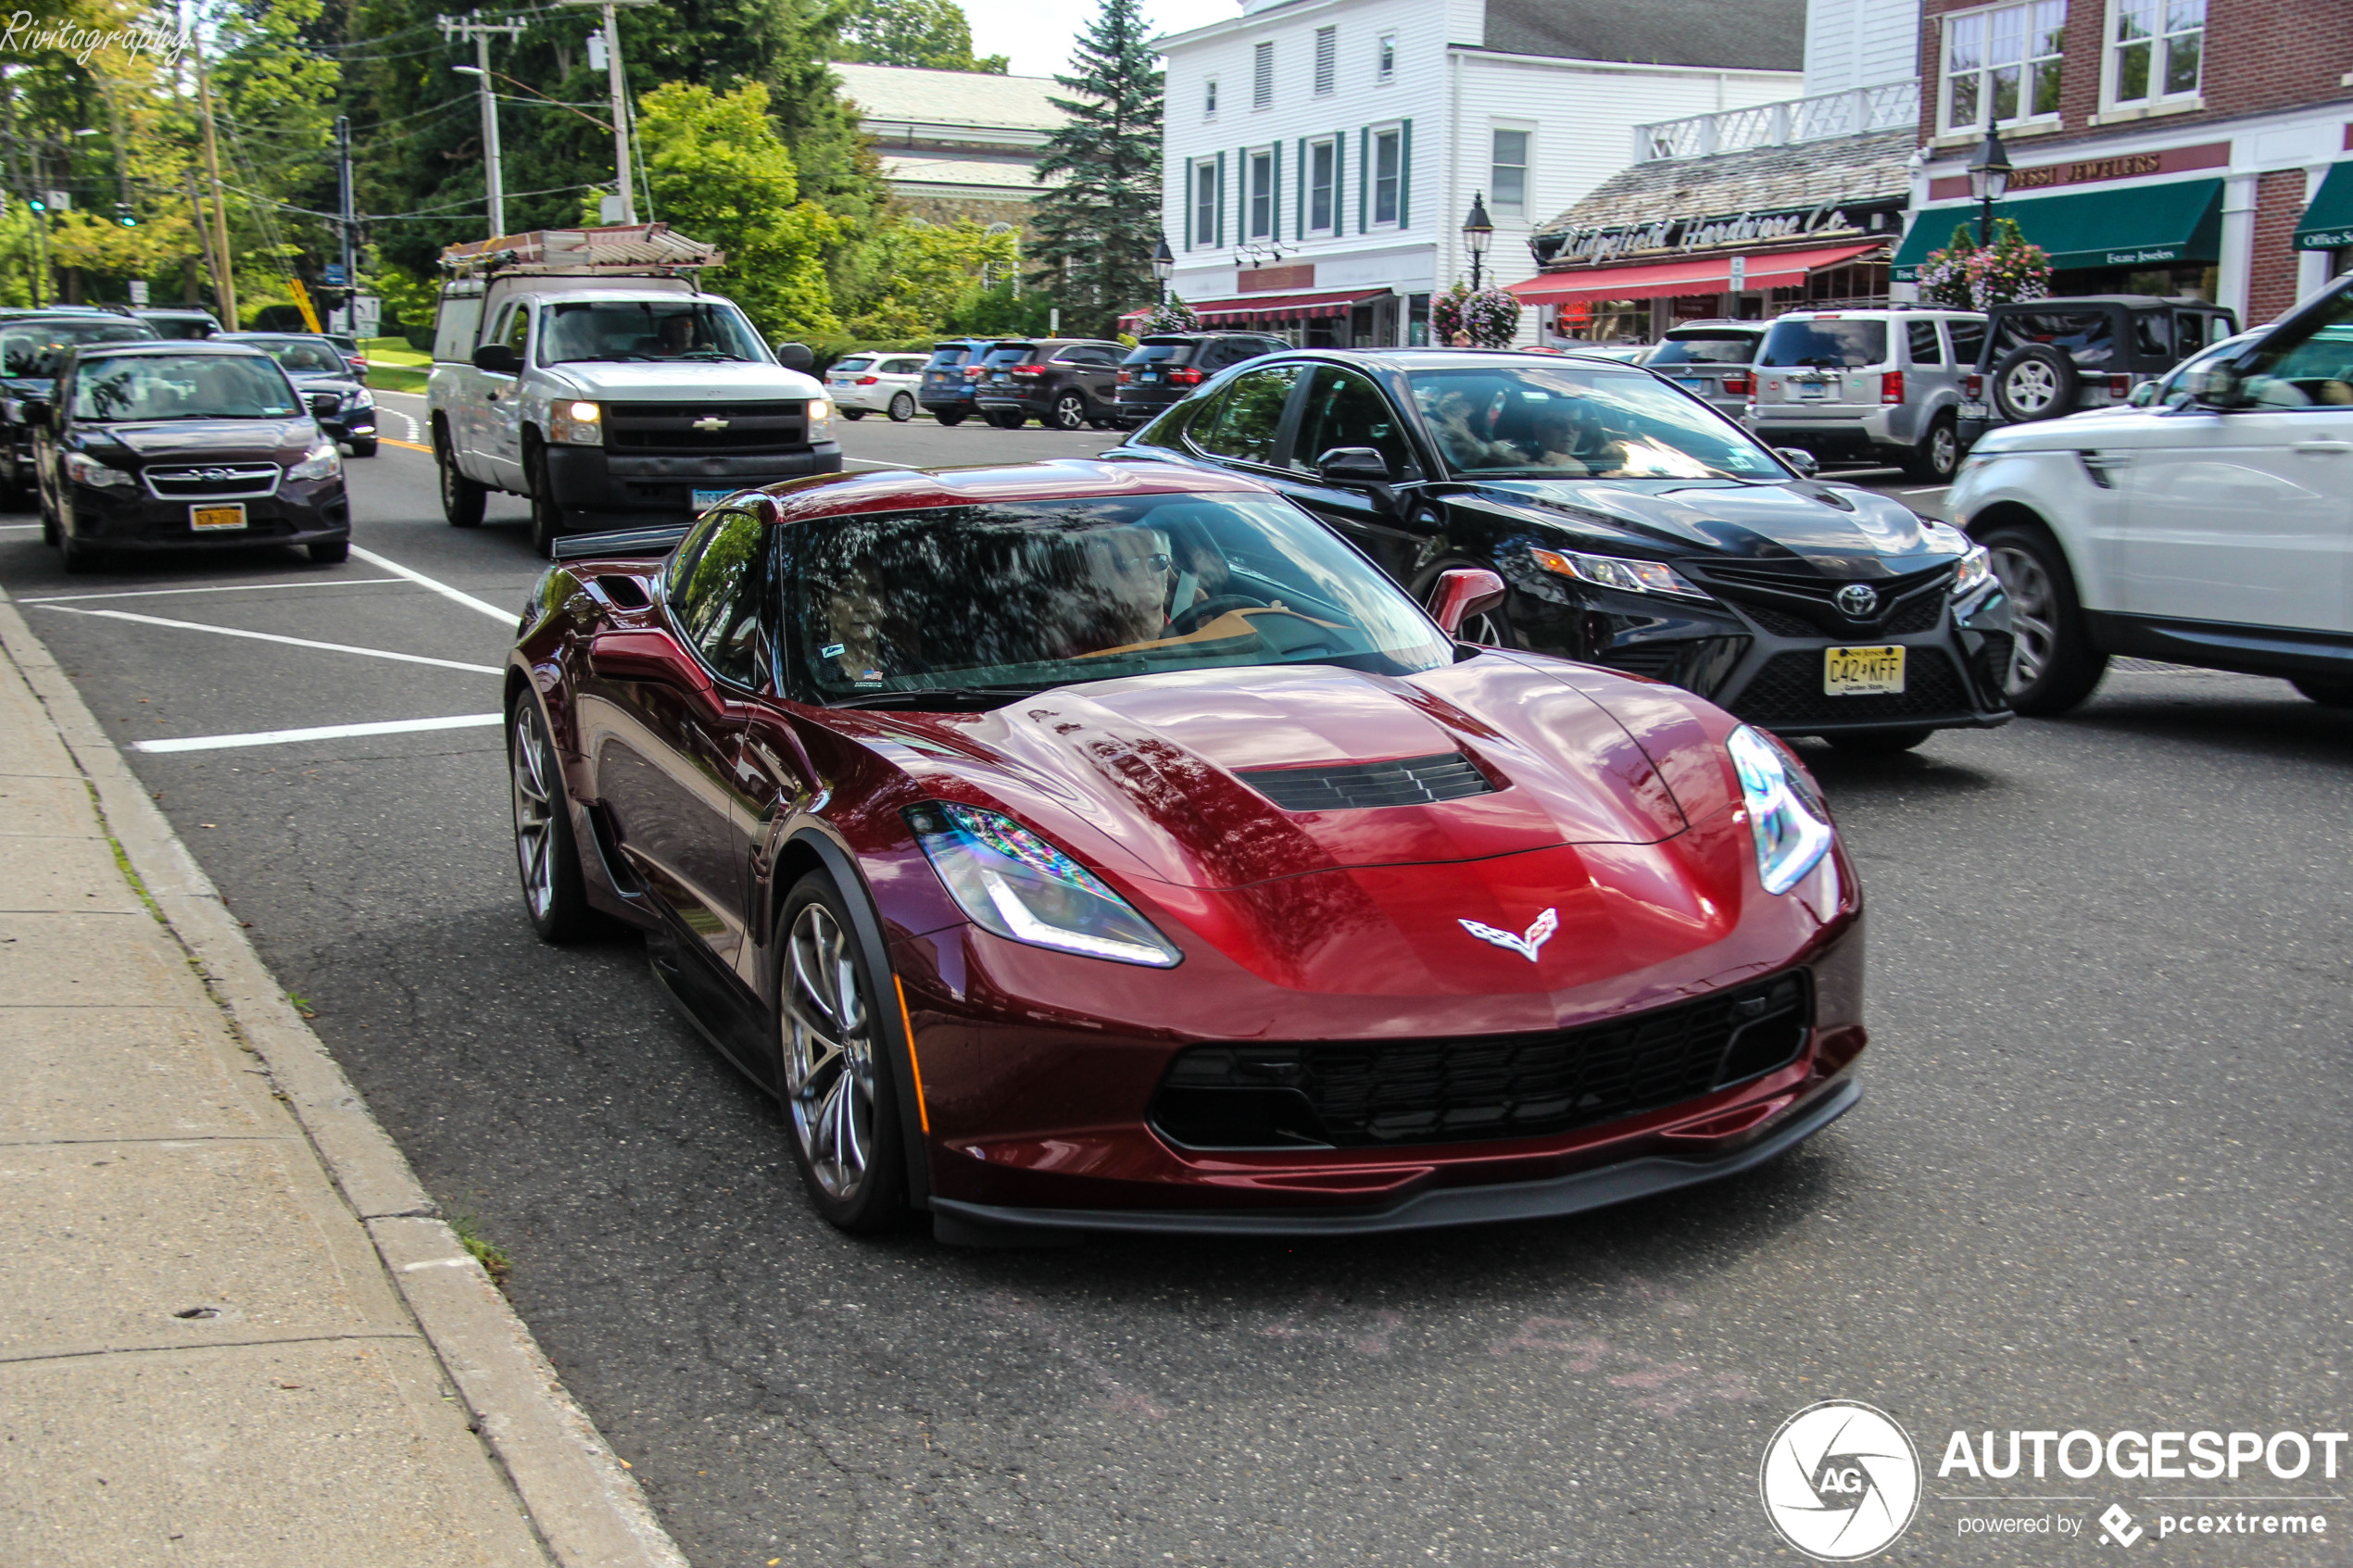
(586, 1505)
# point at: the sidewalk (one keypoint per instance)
(230, 1330)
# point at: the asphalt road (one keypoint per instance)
(2099, 1179)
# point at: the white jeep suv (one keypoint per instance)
(2214, 529)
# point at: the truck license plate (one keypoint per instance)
(1863, 671)
(706, 499)
(215, 519)
(1974, 410)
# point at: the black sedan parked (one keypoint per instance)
(165, 446)
(316, 365)
(1633, 526)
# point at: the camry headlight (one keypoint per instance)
(84, 470)
(1788, 820)
(1619, 572)
(579, 424)
(1014, 883)
(323, 462)
(1977, 570)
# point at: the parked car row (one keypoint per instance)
(1073, 383)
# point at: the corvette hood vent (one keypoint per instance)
(1409, 781)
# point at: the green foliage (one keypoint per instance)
(1002, 310)
(930, 33)
(1098, 226)
(927, 272)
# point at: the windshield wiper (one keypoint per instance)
(941, 697)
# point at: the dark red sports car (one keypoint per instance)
(1081, 847)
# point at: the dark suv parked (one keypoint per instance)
(1162, 368)
(946, 392)
(1061, 382)
(2045, 358)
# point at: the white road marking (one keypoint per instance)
(416, 431)
(324, 732)
(505, 616)
(229, 588)
(1931, 489)
(274, 637)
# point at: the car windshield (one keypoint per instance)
(39, 348)
(302, 357)
(1043, 594)
(577, 330)
(1706, 348)
(182, 386)
(1573, 421)
(1825, 342)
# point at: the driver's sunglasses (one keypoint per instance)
(1157, 561)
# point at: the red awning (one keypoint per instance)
(1282, 307)
(1661, 280)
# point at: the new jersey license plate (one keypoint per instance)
(706, 499)
(1863, 671)
(214, 519)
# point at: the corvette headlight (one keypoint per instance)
(1788, 820)
(579, 424)
(1617, 571)
(84, 470)
(324, 462)
(1014, 883)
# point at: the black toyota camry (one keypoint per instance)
(1633, 526)
(168, 445)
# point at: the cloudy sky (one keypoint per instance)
(1037, 33)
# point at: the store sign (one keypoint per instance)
(1683, 236)
(2094, 170)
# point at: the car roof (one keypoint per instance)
(1061, 479)
(2132, 301)
(146, 345)
(1453, 358)
(1717, 324)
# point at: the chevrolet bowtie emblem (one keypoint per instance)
(711, 422)
(1539, 932)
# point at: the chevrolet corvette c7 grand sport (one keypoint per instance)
(1092, 846)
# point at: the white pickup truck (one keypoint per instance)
(587, 371)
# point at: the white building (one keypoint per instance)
(955, 144)
(1320, 156)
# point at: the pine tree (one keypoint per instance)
(1096, 228)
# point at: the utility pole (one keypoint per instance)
(224, 279)
(204, 234)
(470, 25)
(345, 222)
(617, 83)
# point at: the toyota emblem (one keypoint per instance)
(1860, 600)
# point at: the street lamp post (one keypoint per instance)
(1478, 230)
(1989, 176)
(1163, 263)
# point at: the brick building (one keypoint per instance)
(2160, 146)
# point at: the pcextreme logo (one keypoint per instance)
(1840, 1481)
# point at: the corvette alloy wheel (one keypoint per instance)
(830, 1055)
(535, 818)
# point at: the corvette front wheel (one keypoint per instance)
(546, 856)
(839, 1097)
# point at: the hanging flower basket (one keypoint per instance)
(1172, 315)
(1489, 318)
(1966, 276)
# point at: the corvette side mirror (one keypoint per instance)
(499, 359)
(650, 656)
(1463, 592)
(1799, 458)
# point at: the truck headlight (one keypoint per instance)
(1014, 883)
(580, 424)
(821, 420)
(323, 462)
(1787, 819)
(84, 470)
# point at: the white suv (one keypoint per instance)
(2213, 529)
(1867, 387)
(876, 384)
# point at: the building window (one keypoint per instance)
(1387, 168)
(1209, 99)
(1508, 182)
(1204, 204)
(1385, 59)
(1327, 59)
(2156, 50)
(1323, 187)
(2002, 65)
(1261, 80)
(1262, 195)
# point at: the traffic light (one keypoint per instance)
(124, 216)
(34, 203)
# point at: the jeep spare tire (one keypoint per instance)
(2036, 382)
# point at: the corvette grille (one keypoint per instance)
(1410, 781)
(1373, 1093)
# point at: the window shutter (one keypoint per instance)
(1299, 216)
(1339, 182)
(1327, 57)
(1364, 172)
(1275, 193)
(1221, 201)
(1405, 176)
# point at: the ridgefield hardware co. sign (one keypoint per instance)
(1593, 247)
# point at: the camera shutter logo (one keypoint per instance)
(1841, 1481)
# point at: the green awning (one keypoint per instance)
(2112, 226)
(2327, 224)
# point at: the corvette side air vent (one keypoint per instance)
(1410, 781)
